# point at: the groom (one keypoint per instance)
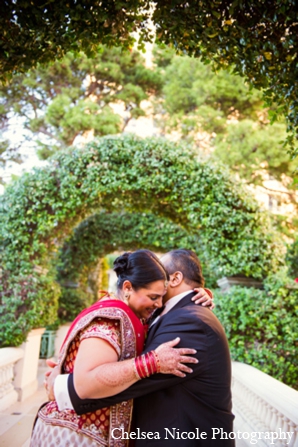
(170, 411)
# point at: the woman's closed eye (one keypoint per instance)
(155, 298)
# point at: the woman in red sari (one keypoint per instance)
(103, 348)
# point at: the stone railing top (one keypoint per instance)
(276, 393)
(38, 331)
(10, 355)
(228, 281)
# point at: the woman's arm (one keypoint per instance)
(98, 374)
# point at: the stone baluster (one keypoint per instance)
(263, 404)
(8, 358)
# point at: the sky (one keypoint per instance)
(15, 134)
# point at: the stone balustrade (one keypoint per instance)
(18, 370)
(8, 359)
(266, 410)
(263, 405)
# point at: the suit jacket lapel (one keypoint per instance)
(183, 302)
(155, 315)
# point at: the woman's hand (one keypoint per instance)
(50, 377)
(172, 359)
(204, 297)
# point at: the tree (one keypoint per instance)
(252, 149)
(8, 154)
(70, 97)
(67, 98)
(257, 38)
(45, 31)
(224, 118)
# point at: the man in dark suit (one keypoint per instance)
(172, 411)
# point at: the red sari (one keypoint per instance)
(114, 321)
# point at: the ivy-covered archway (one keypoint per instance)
(102, 233)
(118, 174)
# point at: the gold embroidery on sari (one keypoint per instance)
(97, 425)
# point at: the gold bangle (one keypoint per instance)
(157, 361)
(143, 357)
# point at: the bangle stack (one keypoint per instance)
(146, 364)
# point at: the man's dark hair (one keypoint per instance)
(186, 262)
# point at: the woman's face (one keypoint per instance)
(144, 301)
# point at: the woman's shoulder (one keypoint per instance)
(111, 301)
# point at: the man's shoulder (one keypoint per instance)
(190, 311)
(191, 314)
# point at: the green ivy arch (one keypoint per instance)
(119, 174)
(104, 233)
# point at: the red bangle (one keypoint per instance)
(137, 375)
(151, 360)
(139, 368)
(141, 363)
(146, 364)
(149, 363)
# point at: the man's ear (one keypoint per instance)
(176, 279)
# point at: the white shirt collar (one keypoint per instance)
(173, 301)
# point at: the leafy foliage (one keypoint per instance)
(292, 259)
(71, 303)
(39, 211)
(104, 233)
(189, 84)
(8, 154)
(223, 117)
(78, 95)
(29, 299)
(82, 290)
(34, 31)
(259, 39)
(261, 326)
(252, 149)
(68, 98)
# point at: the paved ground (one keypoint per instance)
(17, 420)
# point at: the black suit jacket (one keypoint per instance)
(177, 410)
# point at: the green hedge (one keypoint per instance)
(40, 210)
(105, 232)
(261, 326)
(292, 259)
(28, 300)
(71, 302)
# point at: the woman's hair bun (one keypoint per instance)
(121, 264)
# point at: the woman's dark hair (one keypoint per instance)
(140, 267)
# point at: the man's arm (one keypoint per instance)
(181, 324)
